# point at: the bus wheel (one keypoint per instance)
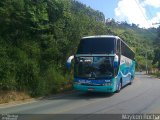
(119, 87)
(130, 83)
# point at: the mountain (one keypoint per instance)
(139, 39)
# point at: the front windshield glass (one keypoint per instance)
(96, 46)
(94, 67)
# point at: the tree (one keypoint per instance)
(157, 49)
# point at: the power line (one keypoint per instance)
(145, 15)
(148, 24)
(142, 13)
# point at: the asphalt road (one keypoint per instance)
(143, 96)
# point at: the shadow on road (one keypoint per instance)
(96, 95)
(80, 95)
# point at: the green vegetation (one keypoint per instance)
(156, 59)
(140, 40)
(37, 36)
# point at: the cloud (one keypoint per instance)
(134, 11)
(153, 3)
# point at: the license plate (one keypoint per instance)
(90, 89)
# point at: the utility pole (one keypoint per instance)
(146, 63)
(146, 57)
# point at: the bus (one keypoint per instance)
(102, 63)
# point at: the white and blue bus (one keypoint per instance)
(102, 64)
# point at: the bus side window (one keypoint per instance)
(118, 52)
(118, 47)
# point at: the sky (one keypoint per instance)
(141, 12)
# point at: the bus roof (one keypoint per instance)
(101, 36)
(108, 36)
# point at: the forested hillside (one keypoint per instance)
(37, 36)
(139, 39)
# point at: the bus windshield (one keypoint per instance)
(94, 67)
(96, 46)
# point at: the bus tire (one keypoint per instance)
(119, 86)
(130, 83)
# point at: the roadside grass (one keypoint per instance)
(15, 96)
(156, 74)
(10, 96)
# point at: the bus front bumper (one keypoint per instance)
(94, 88)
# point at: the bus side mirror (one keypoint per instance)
(69, 62)
(115, 63)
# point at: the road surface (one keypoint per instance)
(143, 96)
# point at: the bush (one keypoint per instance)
(27, 76)
(54, 80)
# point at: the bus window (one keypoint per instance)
(118, 47)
